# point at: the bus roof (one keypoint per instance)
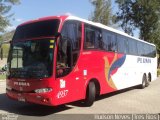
(69, 17)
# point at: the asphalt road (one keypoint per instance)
(128, 101)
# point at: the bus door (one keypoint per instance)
(67, 72)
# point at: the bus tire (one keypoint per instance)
(144, 81)
(90, 94)
(149, 79)
(147, 82)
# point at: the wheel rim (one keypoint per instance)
(144, 81)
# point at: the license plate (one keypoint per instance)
(21, 99)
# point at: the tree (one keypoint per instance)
(142, 14)
(102, 12)
(124, 16)
(5, 7)
(155, 37)
(146, 17)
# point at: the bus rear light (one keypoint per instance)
(43, 90)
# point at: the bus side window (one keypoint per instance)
(93, 37)
(68, 47)
(153, 51)
(140, 47)
(89, 37)
(98, 39)
(122, 44)
(109, 40)
(132, 47)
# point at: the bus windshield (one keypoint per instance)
(46, 28)
(31, 59)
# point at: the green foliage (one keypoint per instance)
(0, 38)
(2, 77)
(5, 7)
(5, 48)
(6, 37)
(125, 15)
(158, 72)
(155, 37)
(102, 12)
(142, 14)
(146, 17)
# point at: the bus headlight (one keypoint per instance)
(43, 90)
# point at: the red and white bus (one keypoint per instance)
(61, 59)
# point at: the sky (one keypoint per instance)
(33, 9)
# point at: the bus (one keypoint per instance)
(61, 59)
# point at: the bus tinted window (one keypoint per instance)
(122, 44)
(37, 29)
(89, 37)
(72, 31)
(147, 50)
(153, 51)
(98, 39)
(140, 48)
(93, 38)
(68, 47)
(132, 44)
(109, 41)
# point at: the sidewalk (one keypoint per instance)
(2, 80)
(2, 86)
(2, 63)
(2, 77)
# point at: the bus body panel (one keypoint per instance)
(113, 71)
(24, 90)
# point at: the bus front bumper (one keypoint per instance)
(43, 99)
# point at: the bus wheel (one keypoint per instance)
(147, 82)
(149, 79)
(90, 94)
(144, 82)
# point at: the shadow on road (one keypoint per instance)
(21, 108)
(79, 103)
(115, 93)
